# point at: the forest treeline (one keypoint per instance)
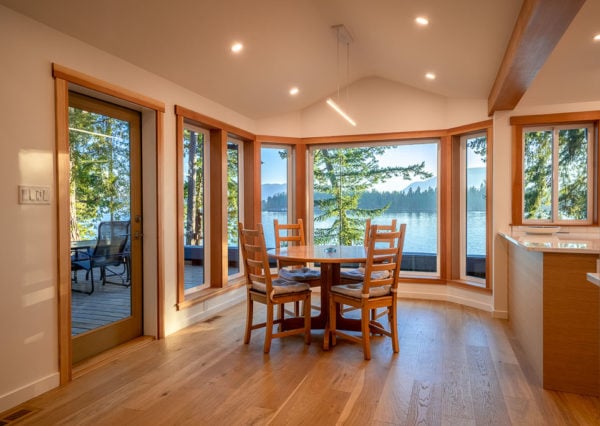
(399, 201)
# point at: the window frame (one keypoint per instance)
(563, 120)
(215, 195)
(189, 293)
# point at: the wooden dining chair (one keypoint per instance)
(384, 253)
(287, 234)
(358, 274)
(269, 290)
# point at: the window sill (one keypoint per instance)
(209, 293)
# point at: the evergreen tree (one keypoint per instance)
(99, 178)
(344, 175)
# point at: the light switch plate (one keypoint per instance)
(34, 194)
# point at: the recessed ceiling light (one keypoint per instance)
(597, 37)
(421, 20)
(294, 91)
(237, 47)
(430, 76)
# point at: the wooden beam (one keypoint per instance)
(539, 27)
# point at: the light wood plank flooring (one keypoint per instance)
(456, 366)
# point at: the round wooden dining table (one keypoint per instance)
(330, 259)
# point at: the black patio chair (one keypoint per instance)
(110, 253)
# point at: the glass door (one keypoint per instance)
(105, 225)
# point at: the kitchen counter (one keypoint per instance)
(561, 242)
(594, 278)
(553, 309)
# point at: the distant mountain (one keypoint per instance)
(475, 176)
(270, 189)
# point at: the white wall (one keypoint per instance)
(378, 106)
(28, 258)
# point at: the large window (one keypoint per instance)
(234, 207)
(558, 174)
(473, 184)
(275, 178)
(195, 143)
(383, 182)
(210, 203)
(555, 169)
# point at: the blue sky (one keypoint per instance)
(274, 168)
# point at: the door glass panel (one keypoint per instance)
(100, 188)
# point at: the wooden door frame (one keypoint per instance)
(63, 77)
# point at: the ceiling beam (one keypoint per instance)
(539, 27)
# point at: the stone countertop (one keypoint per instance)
(594, 278)
(561, 242)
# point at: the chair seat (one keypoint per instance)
(358, 274)
(282, 286)
(354, 290)
(299, 274)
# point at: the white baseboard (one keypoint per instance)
(447, 294)
(500, 314)
(31, 390)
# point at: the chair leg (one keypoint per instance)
(366, 332)
(269, 328)
(332, 321)
(249, 316)
(393, 328)
(307, 336)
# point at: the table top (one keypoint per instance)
(321, 254)
(75, 245)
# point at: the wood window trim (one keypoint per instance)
(220, 132)
(518, 123)
(64, 76)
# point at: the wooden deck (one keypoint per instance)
(108, 303)
(456, 366)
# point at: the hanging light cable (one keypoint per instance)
(342, 35)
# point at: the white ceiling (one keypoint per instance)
(291, 43)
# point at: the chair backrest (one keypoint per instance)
(289, 233)
(384, 253)
(391, 227)
(254, 255)
(112, 239)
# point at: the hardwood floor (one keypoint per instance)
(456, 366)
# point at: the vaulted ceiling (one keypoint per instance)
(291, 43)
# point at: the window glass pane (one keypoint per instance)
(475, 217)
(193, 208)
(573, 174)
(233, 206)
(382, 182)
(274, 189)
(537, 174)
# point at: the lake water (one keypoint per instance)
(421, 230)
